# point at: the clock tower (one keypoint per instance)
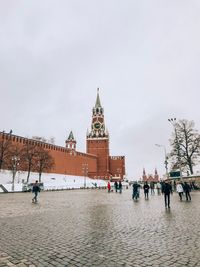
(98, 141)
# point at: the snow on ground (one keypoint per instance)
(51, 181)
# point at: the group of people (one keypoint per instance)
(117, 186)
(136, 191)
(182, 188)
(166, 189)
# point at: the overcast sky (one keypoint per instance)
(143, 55)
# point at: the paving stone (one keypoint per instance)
(93, 228)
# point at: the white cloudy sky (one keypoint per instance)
(144, 55)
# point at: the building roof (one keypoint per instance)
(71, 137)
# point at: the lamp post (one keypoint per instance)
(166, 158)
(15, 163)
(85, 172)
(173, 122)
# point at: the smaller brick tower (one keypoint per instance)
(71, 142)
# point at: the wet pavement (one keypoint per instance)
(96, 228)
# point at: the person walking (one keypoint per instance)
(187, 190)
(109, 187)
(179, 189)
(152, 186)
(174, 184)
(116, 186)
(35, 190)
(120, 187)
(162, 186)
(158, 186)
(167, 190)
(146, 190)
(136, 193)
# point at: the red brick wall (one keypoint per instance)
(99, 163)
(71, 162)
(66, 161)
(117, 166)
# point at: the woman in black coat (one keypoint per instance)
(146, 190)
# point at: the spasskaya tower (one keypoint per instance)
(98, 144)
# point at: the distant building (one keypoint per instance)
(95, 163)
(150, 178)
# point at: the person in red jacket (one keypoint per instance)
(109, 187)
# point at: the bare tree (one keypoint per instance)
(44, 161)
(5, 144)
(13, 161)
(28, 157)
(52, 140)
(185, 144)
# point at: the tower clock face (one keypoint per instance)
(97, 125)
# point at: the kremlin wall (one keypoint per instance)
(95, 163)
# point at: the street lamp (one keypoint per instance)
(85, 172)
(173, 122)
(166, 158)
(15, 163)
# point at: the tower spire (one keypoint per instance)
(71, 136)
(98, 103)
(98, 129)
(144, 176)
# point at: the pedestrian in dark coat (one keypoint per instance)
(116, 186)
(136, 193)
(146, 190)
(35, 190)
(120, 186)
(167, 190)
(187, 190)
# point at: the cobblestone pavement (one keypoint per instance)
(94, 228)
